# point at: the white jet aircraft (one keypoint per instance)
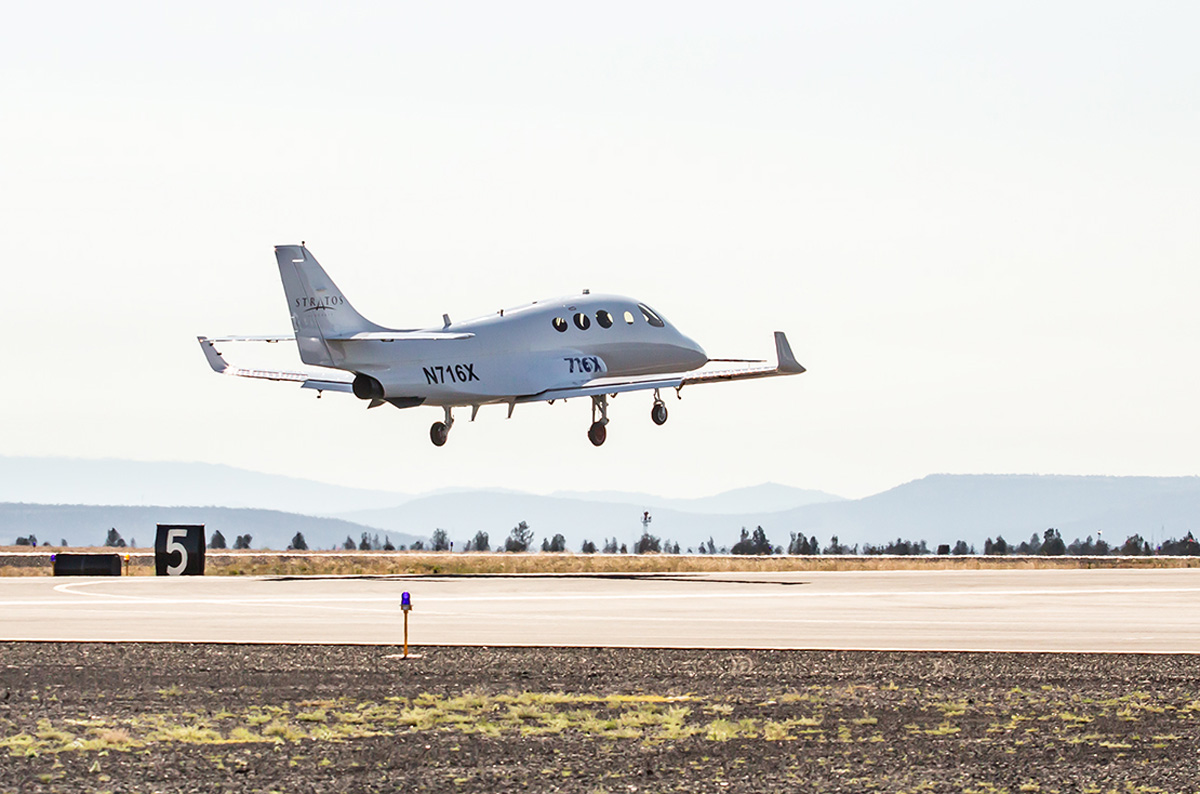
(581, 346)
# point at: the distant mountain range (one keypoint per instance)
(940, 508)
(126, 482)
(50, 497)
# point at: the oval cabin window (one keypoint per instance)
(604, 318)
(560, 324)
(582, 322)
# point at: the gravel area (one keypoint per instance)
(179, 717)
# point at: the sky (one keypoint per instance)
(977, 223)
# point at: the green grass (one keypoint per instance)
(1007, 721)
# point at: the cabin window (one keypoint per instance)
(560, 324)
(604, 318)
(629, 318)
(582, 321)
(650, 316)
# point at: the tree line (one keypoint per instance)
(751, 542)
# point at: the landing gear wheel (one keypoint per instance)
(659, 413)
(438, 434)
(597, 433)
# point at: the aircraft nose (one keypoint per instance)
(692, 354)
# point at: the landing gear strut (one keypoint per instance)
(659, 412)
(597, 432)
(441, 430)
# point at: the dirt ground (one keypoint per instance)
(173, 718)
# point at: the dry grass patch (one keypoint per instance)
(17, 562)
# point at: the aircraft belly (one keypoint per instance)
(465, 380)
(458, 373)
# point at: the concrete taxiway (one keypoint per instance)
(1010, 610)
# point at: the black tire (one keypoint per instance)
(659, 414)
(597, 433)
(439, 433)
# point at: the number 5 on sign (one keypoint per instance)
(179, 550)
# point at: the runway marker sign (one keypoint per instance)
(179, 550)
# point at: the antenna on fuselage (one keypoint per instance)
(445, 321)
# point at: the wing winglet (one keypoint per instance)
(210, 353)
(788, 365)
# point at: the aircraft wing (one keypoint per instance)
(322, 380)
(374, 336)
(402, 336)
(786, 365)
(265, 338)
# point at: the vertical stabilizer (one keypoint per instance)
(319, 310)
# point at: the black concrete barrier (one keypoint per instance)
(87, 564)
(179, 550)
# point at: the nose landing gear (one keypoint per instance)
(441, 430)
(597, 433)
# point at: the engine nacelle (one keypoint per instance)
(367, 388)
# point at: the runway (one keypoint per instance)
(1006, 610)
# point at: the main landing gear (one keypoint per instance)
(597, 432)
(659, 412)
(441, 430)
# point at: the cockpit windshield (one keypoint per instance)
(650, 316)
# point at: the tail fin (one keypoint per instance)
(319, 310)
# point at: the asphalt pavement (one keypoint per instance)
(1008, 610)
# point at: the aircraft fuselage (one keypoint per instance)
(559, 343)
